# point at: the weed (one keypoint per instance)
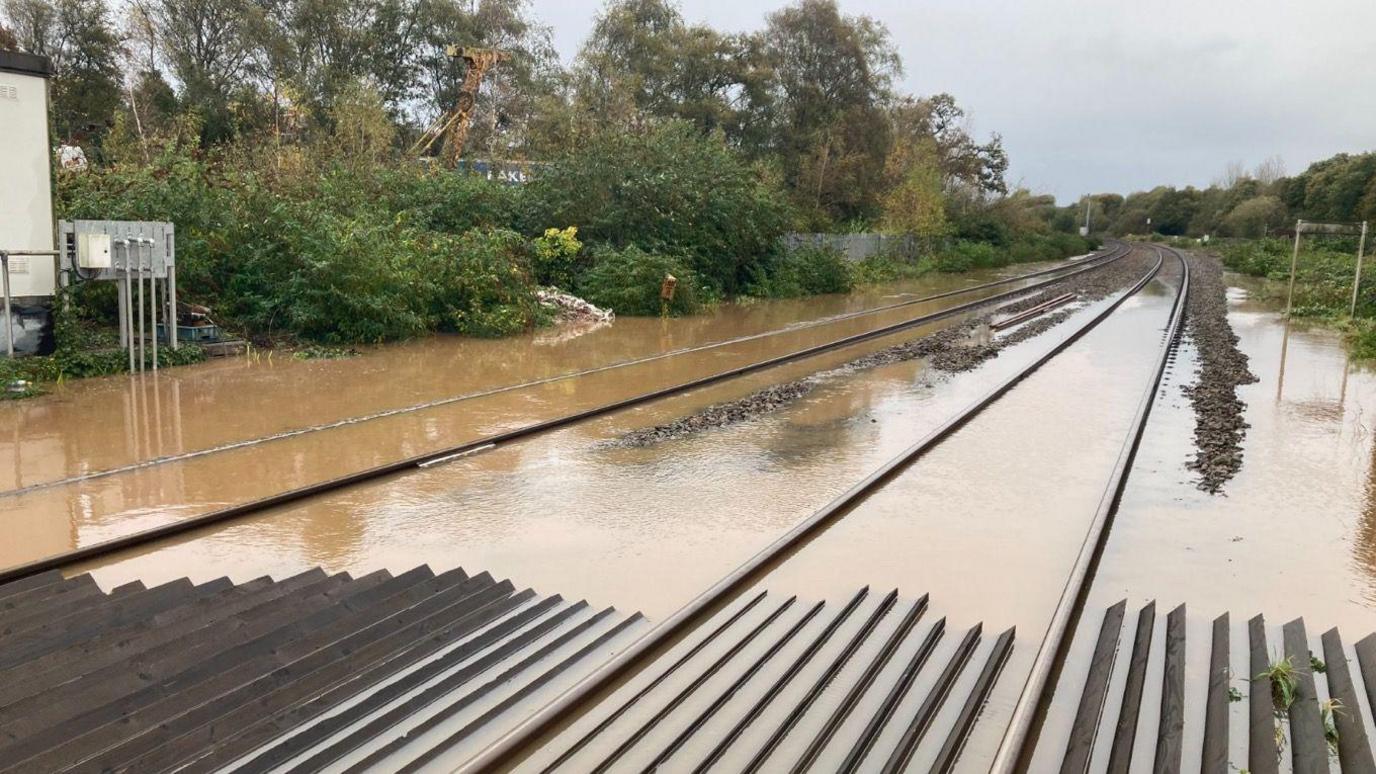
(1234, 695)
(1330, 709)
(1284, 683)
(322, 352)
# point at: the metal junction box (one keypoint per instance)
(93, 251)
(106, 249)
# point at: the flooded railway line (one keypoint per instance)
(42, 501)
(1063, 269)
(849, 682)
(611, 729)
(542, 650)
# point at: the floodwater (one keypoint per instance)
(87, 429)
(563, 512)
(1293, 535)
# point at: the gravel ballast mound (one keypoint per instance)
(1219, 427)
(950, 350)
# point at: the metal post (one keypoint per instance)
(1357, 280)
(123, 316)
(1294, 261)
(153, 312)
(9, 321)
(142, 341)
(129, 294)
(172, 305)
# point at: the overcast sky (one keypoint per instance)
(1117, 96)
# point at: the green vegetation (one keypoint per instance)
(667, 148)
(1250, 218)
(1283, 681)
(628, 280)
(84, 349)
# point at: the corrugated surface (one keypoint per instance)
(777, 684)
(307, 671)
(1152, 698)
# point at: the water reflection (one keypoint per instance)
(108, 423)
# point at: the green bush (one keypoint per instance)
(805, 271)
(964, 255)
(878, 269)
(627, 281)
(670, 191)
(483, 285)
(1323, 274)
(557, 259)
(335, 253)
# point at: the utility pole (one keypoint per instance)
(1357, 280)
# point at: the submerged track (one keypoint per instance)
(1067, 270)
(890, 651)
(483, 444)
(644, 653)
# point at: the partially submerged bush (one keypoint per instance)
(556, 259)
(805, 271)
(483, 285)
(668, 191)
(628, 282)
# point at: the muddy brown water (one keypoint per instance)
(1293, 535)
(106, 423)
(987, 523)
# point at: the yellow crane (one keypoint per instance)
(453, 125)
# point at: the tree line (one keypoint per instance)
(275, 134)
(1244, 203)
(811, 98)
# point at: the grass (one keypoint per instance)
(1284, 682)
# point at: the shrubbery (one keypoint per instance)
(670, 190)
(805, 271)
(315, 245)
(628, 281)
(1323, 277)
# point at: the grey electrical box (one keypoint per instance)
(93, 251)
(148, 248)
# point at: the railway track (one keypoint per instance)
(813, 637)
(1098, 259)
(483, 444)
(713, 608)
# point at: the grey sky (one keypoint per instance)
(1116, 96)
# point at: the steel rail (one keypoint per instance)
(502, 751)
(1051, 654)
(1116, 251)
(486, 443)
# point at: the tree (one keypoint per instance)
(209, 45)
(77, 36)
(832, 79)
(642, 63)
(963, 162)
(1254, 217)
(914, 202)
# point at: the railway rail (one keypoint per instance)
(900, 646)
(1116, 251)
(643, 653)
(440, 456)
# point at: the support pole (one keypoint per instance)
(1294, 261)
(153, 311)
(129, 294)
(123, 315)
(172, 305)
(142, 340)
(9, 321)
(1357, 279)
